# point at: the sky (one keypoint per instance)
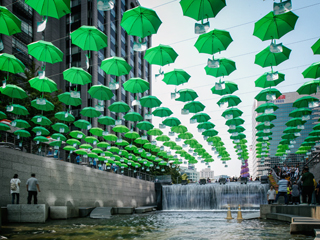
(238, 17)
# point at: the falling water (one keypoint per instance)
(214, 196)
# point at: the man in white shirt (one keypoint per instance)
(271, 194)
(32, 186)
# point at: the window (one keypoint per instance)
(123, 52)
(75, 49)
(100, 26)
(75, 3)
(101, 72)
(26, 28)
(20, 47)
(112, 53)
(113, 40)
(101, 55)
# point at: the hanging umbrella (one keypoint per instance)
(103, 144)
(20, 123)
(90, 112)
(316, 47)
(2, 115)
(226, 67)
(133, 117)
(263, 134)
(10, 63)
(132, 135)
(201, 117)
(10, 23)
(58, 136)
(64, 116)
(136, 85)
(41, 120)
(14, 91)
(236, 121)
(44, 106)
(228, 88)
(267, 58)
(68, 100)
(40, 131)
(89, 38)
(41, 139)
(187, 95)
(309, 87)
(162, 112)
(305, 101)
(268, 94)
(85, 146)
(176, 77)
(100, 92)
(293, 122)
(210, 133)
(273, 26)
(169, 144)
(206, 125)
(122, 143)
(22, 133)
(238, 129)
(171, 122)
(144, 125)
(266, 117)
(119, 107)
(43, 84)
(150, 102)
(313, 71)
(140, 22)
(194, 107)
(200, 10)
(291, 130)
(140, 141)
(4, 127)
(213, 41)
(55, 143)
(179, 129)
(120, 129)
(69, 148)
(115, 66)
(82, 124)
(96, 131)
(185, 135)
(106, 120)
(91, 140)
(269, 79)
(51, 8)
(110, 137)
(230, 100)
(77, 75)
(300, 112)
(60, 127)
(77, 134)
(262, 108)
(155, 132)
(19, 110)
(160, 55)
(45, 52)
(234, 112)
(163, 138)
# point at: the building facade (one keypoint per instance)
(192, 173)
(206, 173)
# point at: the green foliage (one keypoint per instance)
(184, 176)
(174, 172)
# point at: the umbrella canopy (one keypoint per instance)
(60, 127)
(58, 136)
(10, 63)
(226, 67)
(132, 135)
(267, 80)
(234, 112)
(262, 108)
(41, 139)
(110, 137)
(100, 92)
(51, 8)
(150, 102)
(64, 116)
(309, 87)
(47, 106)
(187, 95)
(19, 110)
(96, 131)
(229, 88)
(41, 120)
(206, 125)
(155, 132)
(194, 107)
(266, 93)
(4, 127)
(77, 134)
(140, 141)
(291, 130)
(200, 10)
(230, 100)
(68, 100)
(90, 112)
(22, 133)
(20, 123)
(213, 41)
(43, 84)
(210, 133)
(304, 101)
(162, 112)
(179, 129)
(273, 26)
(171, 122)
(82, 124)
(185, 135)
(293, 122)
(267, 58)
(92, 140)
(14, 91)
(120, 129)
(238, 130)
(115, 66)
(160, 55)
(10, 23)
(45, 52)
(300, 112)
(41, 130)
(106, 120)
(316, 47)
(201, 117)
(133, 117)
(103, 144)
(2, 115)
(176, 77)
(69, 148)
(77, 75)
(136, 85)
(236, 121)
(163, 138)
(266, 117)
(119, 107)
(89, 38)
(140, 22)
(145, 125)
(313, 71)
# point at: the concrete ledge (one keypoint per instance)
(60, 212)
(144, 209)
(37, 213)
(306, 228)
(264, 210)
(281, 217)
(317, 234)
(101, 212)
(85, 211)
(123, 210)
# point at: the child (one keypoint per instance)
(295, 193)
(271, 195)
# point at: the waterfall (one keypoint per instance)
(214, 196)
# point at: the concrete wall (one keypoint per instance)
(316, 171)
(66, 184)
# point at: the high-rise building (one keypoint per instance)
(285, 104)
(206, 173)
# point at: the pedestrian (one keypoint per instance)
(271, 194)
(282, 190)
(15, 188)
(295, 193)
(32, 186)
(307, 185)
(78, 159)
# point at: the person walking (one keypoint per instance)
(295, 193)
(282, 190)
(271, 194)
(32, 186)
(15, 188)
(307, 185)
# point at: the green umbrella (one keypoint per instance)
(96, 131)
(263, 107)
(43, 84)
(273, 26)
(213, 41)
(92, 155)
(58, 136)
(90, 112)
(60, 127)
(44, 106)
(69, 148)
(114, 149)
(64, 116)
(40, 131)
(226, 67)
(19, 110)
(291, 130)
(305, 101)
(194, 107)
(263, 134)
(223, 88)
(210, 133)
(150, 102)
(103, 144)
(187, 95)
(162, 112)
(81, 152)
(293, 122)
(132, 135)
(120, 129)
(316, 47)
(145, 125)
(115, 66)
(238, 129)
(311, 138)
(20, 123)
(4, 127)
(110, 137)
(313, 71)
(10, 63)
(22, 133)
(119, 107)
(89, 38)
(160, 55)
(77, 134)
(169, 144)
(308, 143)
(266, 58)
(41, 139)
(45, 51)
(176, 77)
(300, 112)
(122, 143)
(236, 121)
(266, 117)
(288, 136)
(269, 79)
(201, 117)
(133, 117)
(82, 124)
(140, 22)
(56, 9)
(97, 150)
(163, 138)
(106, 120)
(68, 100)
(230, 100)
(185, 135)
(55, 143)
(200, 10)
(171, 122)
(268, 94)
(2, 115)
(92, 140)
(179, 129)
(10, 23)
(14, 91)
(77, 75)
(85, 146)
(155, 132)
(136, 85)
(140, 141)
(206, 125)
(234, 112)
(100, 92)
(309, 87)
(41, 120)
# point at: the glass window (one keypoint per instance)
(21, 47)
(75, 49)
(113, 26)
(75, 3)
(113, 40)
(112, 53)
(26, 28)
(101, 55)
(101, 72)
(123, 52)
(100, 26)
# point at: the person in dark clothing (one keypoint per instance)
(32, 186)
(318, 192)
(307, 185)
